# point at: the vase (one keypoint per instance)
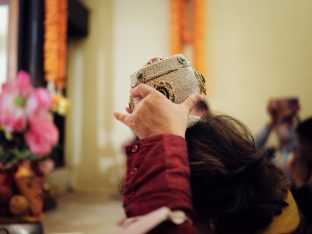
(20, 195)
(6, 190)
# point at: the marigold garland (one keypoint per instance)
(199, 40)
(182, 34)
(177, 14)
(55, 47)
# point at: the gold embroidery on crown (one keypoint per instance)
(131, 104)
(166, 89)
(202, 81)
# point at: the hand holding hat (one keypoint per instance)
(163, 93)
(155, 114)
(174, 77)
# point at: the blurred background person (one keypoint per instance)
(284, 118)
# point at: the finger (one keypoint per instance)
(128, 110)
(142, 90)
(191, 101)
(125, 119)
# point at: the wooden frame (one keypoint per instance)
(12, 38)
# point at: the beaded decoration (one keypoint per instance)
(166, 89)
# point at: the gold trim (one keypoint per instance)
(166, 89)
(131, 104)
(202, 81)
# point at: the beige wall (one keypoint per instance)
(123, 35)
(259, 49)
(90, 153)
(256, 49)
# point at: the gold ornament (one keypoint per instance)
(202, 81)
(19, 205)
(166, 89)
(131, 104)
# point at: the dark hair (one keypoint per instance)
(202, 105)
(234, 185)
(304, 129)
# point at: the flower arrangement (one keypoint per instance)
(28, 136)
(27, 131)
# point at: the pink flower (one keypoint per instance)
(46, 166)
(26, 110)
(13, 103)
(19, 101)
(39, 100)
(43, 98)
(12, 119)
(20, 85)
(42, 134)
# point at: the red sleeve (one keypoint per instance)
(158, 175)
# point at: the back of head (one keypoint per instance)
(235, 187)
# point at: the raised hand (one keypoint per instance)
(155, 114)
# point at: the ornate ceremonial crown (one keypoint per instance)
(173, 76)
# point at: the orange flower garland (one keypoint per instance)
(184, 32)
(199, 43)
(177, 14)
(55, 47)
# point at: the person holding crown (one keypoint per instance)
(190, 175)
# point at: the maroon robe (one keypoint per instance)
(158, 175)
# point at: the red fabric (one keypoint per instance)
(158, 175)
